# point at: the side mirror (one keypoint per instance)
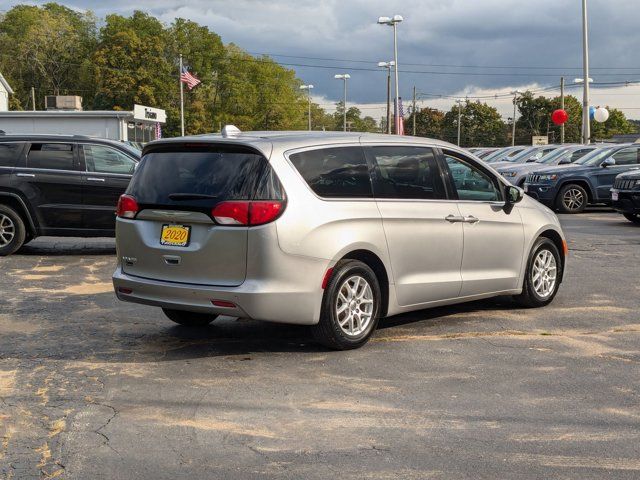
(608, 162)
(513, 195)
(532, 159)
(564, 161)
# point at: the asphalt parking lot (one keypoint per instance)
(94, 388)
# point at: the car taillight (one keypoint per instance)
(247, 213)
(127, 207)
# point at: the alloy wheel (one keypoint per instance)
(544, 273)
(573, 199)
(7, 230)
(354, 305)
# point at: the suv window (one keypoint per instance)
(56, 156)
(102, 159)
(628, 156)
(406, 172)
(339, 172)
(470, 182)
(9, 154)
(203, 176)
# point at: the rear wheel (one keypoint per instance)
(350, 307)
(572, 199)
(542, 278)
(632, 217)
(12, 230)
(189, 319)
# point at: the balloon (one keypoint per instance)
(601, 115)
(559, 116)
(592, 111)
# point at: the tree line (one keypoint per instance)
(118, 61)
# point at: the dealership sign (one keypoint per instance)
(149, 114)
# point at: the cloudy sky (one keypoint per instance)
(446, 47)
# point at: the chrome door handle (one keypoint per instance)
(28, 175)
(454, 219)
(95, 179)
(471, 219)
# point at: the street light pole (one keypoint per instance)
(388, 66)
(308, 89)
(562, 107)
(393, 21)
(459, 102)
(586, 126)
(513, 129)
(344, 77)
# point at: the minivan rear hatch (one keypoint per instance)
(174, 235)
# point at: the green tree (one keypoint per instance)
(430, 123)
(481, 125)
(616, 124)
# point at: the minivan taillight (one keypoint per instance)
(127, 207)
(247, 213)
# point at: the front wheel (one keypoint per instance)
(632, 217)
(12, 231)
(572, 199)
(189, 319)
(350, 307)
(542, 278)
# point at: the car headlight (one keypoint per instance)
(548, 178)
(509, 174)
(638, 183)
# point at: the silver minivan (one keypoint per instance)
(332, 230)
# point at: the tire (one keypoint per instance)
(354, 288)
(12, 231)
(189, 319)
(572, 199)
(632, 217)
(535, 293)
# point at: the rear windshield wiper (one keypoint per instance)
(190, 196)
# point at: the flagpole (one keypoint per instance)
(181, 98)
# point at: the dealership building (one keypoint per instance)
(142, 125)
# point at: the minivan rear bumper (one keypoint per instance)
(296, 300)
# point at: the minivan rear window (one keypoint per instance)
(194, 177)
(339, 172)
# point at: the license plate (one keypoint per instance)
(526, 188)
(175, 235)
(614, 195)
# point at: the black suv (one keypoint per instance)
(570, 188)
(58, 185)
(625, 195)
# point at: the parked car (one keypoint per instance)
(517, 174)
(570, 188)
(326, 229)
(504, 153)
(58, 185)
(625, 195)
(529, 154)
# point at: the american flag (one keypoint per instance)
(190, 80)
(399, 120)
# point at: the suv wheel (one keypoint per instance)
(12, 230)
(350, 307)
(572, 199)
(632, 217)
(189, 319)
(542, 278)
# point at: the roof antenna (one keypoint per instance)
(230, 131)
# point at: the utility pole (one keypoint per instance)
(308, 89)
(513, 129)
(459, 119)
(586, 126)
(388, 66)
(344, 77)
(414, 110)
(562, 107)
(33, 98)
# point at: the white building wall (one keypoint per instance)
(4, 99)
(91, 126)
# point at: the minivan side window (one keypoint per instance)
(9, 153)
(56, 156)
(337, 172)
(628, 156)
(101, 159)
(470, 182)
(406, 172)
